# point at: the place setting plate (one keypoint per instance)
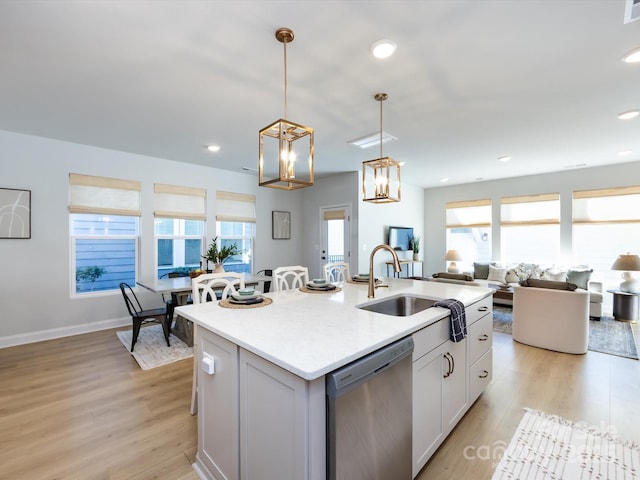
(245, 298)
(320, 285)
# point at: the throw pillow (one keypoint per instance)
(511, 276)
(497, 274)
(453, 276)
(480, 270)
(555, 274)
(538, 283)
(579, 277)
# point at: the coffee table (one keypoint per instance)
(503, 292)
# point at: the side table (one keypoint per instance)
(625, 305)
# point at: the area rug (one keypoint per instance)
(151, 350)
(605, 335)
(550, 447)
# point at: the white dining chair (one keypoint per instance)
(202, 291)
(336, 272)
(286, 278)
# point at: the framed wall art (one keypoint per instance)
(280, 225)
(15, 213)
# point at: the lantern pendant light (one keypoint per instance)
(286, 148)
(381, 176)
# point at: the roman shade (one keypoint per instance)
(171, 201)
(472, 213)
(235, 207)
(334, 215)
(530, 210)
(609, 205)
(103, 195)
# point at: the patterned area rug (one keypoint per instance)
(550, 447)
(605, 335)
(151, 350)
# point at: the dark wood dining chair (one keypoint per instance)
(267, 283)
(175, 300)
(140, 316)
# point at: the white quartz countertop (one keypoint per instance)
(311, 334)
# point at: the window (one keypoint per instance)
(606, 223)
(469, 229)
(180, 214)
(104, 232)
(530, 229)
(236, 223)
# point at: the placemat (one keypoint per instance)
(310, 290)
(227, 304)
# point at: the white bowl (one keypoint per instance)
(319, 281)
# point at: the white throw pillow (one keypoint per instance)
(497, 274)
(511, 276)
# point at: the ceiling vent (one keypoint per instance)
(372, 140)
(631, 11)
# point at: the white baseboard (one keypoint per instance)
(32, 337)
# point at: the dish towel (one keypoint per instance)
(458, 327)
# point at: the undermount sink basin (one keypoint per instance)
(399, 306)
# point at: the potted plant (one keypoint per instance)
(415, 246)
(219, 255)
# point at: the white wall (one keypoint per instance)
(35, 298)
(565, 183)
(374, 220)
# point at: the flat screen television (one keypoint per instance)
(400, 238)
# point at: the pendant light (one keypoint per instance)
(285, 144)
(381, 176)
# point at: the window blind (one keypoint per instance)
(530, 210)
(334, 215)
(235, 207)
(173, 201)
(472, 213)
(111, 196)
(610, 205)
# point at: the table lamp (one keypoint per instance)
(628, 263)
(453, 256)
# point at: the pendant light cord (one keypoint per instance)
(285, 79)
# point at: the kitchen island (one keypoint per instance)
(262, 410)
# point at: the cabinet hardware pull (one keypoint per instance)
(483, 338)
(483, 309)
(485, 374)
(446, 355)
(453, 363)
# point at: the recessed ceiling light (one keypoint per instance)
(632, 57)
(504, 158)
(629, 114)
(383, 48)
(445, 179)
(625, 152)
(213, 148)
(372, 140)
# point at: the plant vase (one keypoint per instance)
(218, 268)
(416, 257)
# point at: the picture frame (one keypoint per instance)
(15, 213)
(280, 225)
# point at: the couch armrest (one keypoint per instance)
(594, 286)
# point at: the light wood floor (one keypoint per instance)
(81, 408)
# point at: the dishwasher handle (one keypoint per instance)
(360, 371)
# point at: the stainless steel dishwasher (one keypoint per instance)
(369, 416)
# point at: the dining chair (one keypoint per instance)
(140, 315)
(286, 278)
(336, 272)
(177, 298)
(202, 291)
(266, 285)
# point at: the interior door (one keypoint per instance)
(336, 234)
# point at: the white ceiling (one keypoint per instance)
(538, 80)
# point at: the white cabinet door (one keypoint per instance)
(273, 442)
(454, 384)
(218, 427)
(428, 428)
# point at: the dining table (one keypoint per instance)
(181, 288)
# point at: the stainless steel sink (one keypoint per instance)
(399, 305)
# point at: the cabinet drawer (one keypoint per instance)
(479, 309)
(480, 337)
(480, 375)
(430, 337)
